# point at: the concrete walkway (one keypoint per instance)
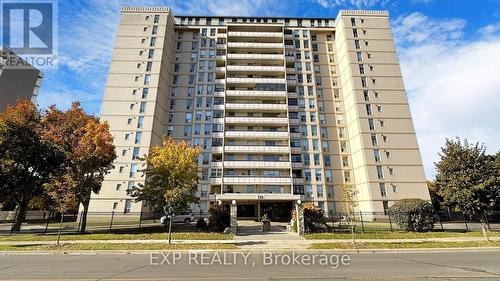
(251, 237)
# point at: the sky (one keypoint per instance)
(449, 51)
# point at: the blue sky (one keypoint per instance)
(449, 52)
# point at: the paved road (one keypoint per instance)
(465, 265)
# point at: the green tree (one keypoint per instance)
(349, 197)
(89, 150)
(468, 179)
(413, 214)
(27, 159)
(171, 177)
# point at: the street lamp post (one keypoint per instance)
(297, 215)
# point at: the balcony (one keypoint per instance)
(254, 34)
(256, 120)
(256, 180)
(257, 164)
(220, 69)
(256, 134)
(254, 45)
(298, 181)
(255, 56)
(256, 149)
(256, 106)
(220, 81)
(256, 68)
(250, 93)
(215, 180)
(254, 80)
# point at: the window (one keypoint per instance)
(374, 139)
(353, 21)
(142, 107)
(154, 30)
(138, 137)
(133, 170)
(152, 42)
(394, 188)
(356, 44)
(319, 190)
(145, 93)
(380, 173)
(355, 32)
(366, 96)
(128, 206)
(140, 122)
(391, 171)
(151, 53)
(388, 154)
(187, 131)
(115, 205)
(127, 136)
(371, 125)
(376, 154)
(147, 79)
(157, 18)
(129, 121)
(361, 69)
(383, 189)
(359, 56)
(363, 82)
(135, 153)
(368, 109)
(188, 117)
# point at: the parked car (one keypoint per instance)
(185, 218)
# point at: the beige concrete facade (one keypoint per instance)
(284, 108)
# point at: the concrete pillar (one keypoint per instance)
(234, 217)
(258, 210)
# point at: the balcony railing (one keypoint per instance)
(256, 134)
(257, 164)
(255, 68)
(257, 180)
(257, 149)
(256, 106)
(257, 120)
(255, 80)
(255, 56)
(254, 45)
(255, 93)
(254, 34)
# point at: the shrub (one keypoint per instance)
(201, 224)
(314, 219)
(413, 214)
(219, 217)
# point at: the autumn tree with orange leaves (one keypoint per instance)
(88, 146)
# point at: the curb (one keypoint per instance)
(340, 251)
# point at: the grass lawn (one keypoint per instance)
(399, 235)
(116, 236)
(405, 245)
(124, 246)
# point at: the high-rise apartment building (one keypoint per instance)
(284, 108)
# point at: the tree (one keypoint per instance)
(314, 218)
(436, 199)
(468, 179)
(89, 149)
(349, 196)
(27, 159)
(62, 191)
(171, 177)
(413, 214)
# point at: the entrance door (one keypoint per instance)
(247, 211)
(277, 211)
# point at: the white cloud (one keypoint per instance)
(490, 29)
(359, 4)
(452, 84)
